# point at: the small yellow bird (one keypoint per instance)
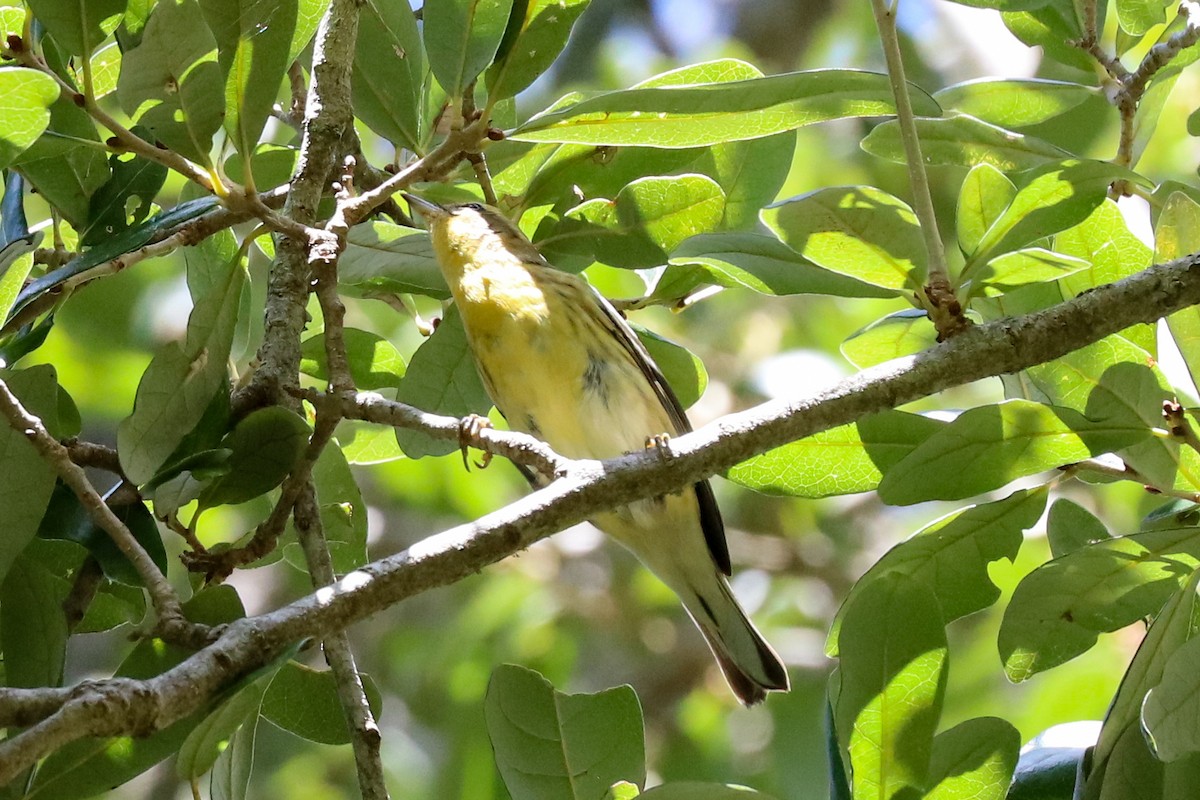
(561, 364)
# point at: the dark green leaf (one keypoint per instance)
(78, 27)
(390, 72)
(707, 114)
(264, 447)
(684, 372)
(1059, 609)
(125, 200)
(951, 556)
(66, 518)
(304, 701)
(28, 478)
(1070, 526)
(987, 447)
(694, 790)
(462, 37)
(33, 628)
(176, 388)
(554, 746)
(205, 743)
(171, 82)
(537, 32)
(375, 363)
(231, 772)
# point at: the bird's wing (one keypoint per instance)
(710, 515)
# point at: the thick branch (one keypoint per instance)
(589, 487)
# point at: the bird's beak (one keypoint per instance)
(429, 210)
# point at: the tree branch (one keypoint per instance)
(587, 488)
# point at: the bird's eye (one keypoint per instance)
(473, 206)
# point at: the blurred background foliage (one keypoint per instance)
(579, 609)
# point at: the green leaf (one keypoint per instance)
(708, 114)
(1110, 380)
(1017, 269)
(648, 219)
(67, 519)
(264, 447)
(172, 82)
(766, 265)
(1070, 526)
(537, 32)
(106, 70)
(1176, 235)
(33, 628)
(381, 256)
(1137, 17)
(683, 370)
(231, 771)
(215, 732)
(951, 556)
(462, 37)
(254, 60)
(554, 746)
(1058, 610)
(989, 446)
(857, 231)
(1105, 241)
(25, 99)
(363, 443)
(1054, 26)
(1051, 199)
(304, 701)
(125, 200)
(343, 513)
(90, 766)
(16, 262)
(893, 679)
(902, 333)
(1121, 759)
(389, 79)
(963, 141)
(29, 479)
(843, 460)
(441, 379)
(78, 27)
(974, 759)
(986, 193)
(181, 379)
(375, 363)
(1170, 710)
(1016, 103)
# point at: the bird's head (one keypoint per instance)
(465, 233)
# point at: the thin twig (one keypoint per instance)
(365, 738)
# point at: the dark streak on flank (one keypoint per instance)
(531, 426)
(594, 377)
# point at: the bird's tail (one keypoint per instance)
(750, 665)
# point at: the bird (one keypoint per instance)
(561, 364)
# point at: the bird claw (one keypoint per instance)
(660, 442)
(469, 428)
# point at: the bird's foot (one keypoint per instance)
(661, 442)
(469, 428)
